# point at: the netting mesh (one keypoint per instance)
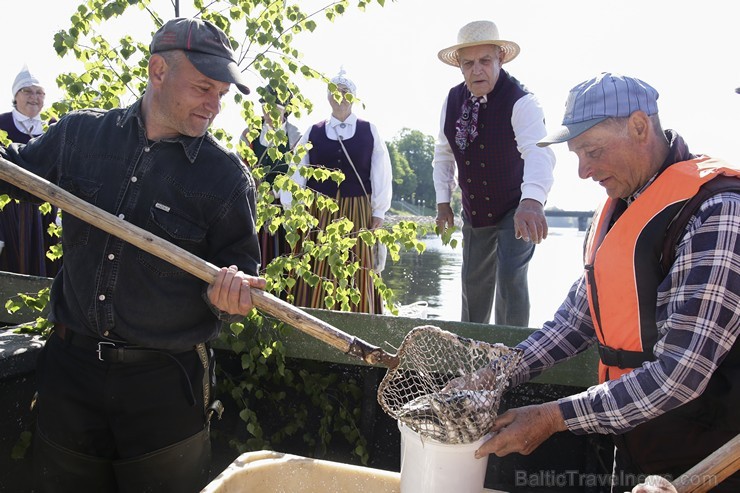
(429, 358)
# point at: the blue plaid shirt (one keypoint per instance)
(698, 321)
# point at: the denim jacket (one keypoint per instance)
(189, 191)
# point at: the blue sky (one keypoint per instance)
(687, 50)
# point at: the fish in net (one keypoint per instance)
(417, 392)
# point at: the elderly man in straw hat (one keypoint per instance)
(489, 129)
(659, 295)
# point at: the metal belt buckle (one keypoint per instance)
(100, 348)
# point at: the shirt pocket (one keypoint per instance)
(177, 228)
(77, 231)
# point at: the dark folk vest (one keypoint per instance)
(329, 154)
(15, 135)
(491, 169)
(272, 168)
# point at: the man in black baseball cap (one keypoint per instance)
(125, 382)
(206, 46)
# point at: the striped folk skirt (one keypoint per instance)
(357, 210)
(272, 246)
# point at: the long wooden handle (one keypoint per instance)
(190, 263)
(708, 473)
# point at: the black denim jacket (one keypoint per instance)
(189, 191)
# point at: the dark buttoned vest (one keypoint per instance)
(329, 154)
(491, 169)
(8, 124)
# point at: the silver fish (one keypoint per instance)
(458, 416)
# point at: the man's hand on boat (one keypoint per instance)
(230, 292)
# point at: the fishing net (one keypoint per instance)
(414, 392)
(414, 388)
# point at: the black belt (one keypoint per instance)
(112, 351)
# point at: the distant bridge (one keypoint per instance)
(584, 217)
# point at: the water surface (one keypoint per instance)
(434, 276)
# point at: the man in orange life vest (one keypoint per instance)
(659, 295)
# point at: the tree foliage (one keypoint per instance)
(405, 181)
(111, 71)
(412, 154)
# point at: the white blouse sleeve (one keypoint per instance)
(381, 176)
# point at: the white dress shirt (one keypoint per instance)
(381, 173)
(527, 120)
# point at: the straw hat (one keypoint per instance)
(478, 33)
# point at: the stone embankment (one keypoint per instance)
(427, 221)
(391, 219)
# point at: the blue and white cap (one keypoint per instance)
(24, 79)
(605, 96)
(342, 79)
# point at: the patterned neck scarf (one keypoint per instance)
(467, 125)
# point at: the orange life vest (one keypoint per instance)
(623, 263)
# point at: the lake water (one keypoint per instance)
(434, 276)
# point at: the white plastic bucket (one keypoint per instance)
(428, 466)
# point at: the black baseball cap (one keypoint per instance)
(206, 46)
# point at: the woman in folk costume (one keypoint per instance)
(272, 245)
(354, 146)
(23, 228)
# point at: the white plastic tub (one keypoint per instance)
(428, 466)
(273, 472)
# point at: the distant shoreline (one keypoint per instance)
(428, 221)
(393, 219)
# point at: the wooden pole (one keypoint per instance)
(708, 473)
(190, 263)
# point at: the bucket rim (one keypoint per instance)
(404, 429)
